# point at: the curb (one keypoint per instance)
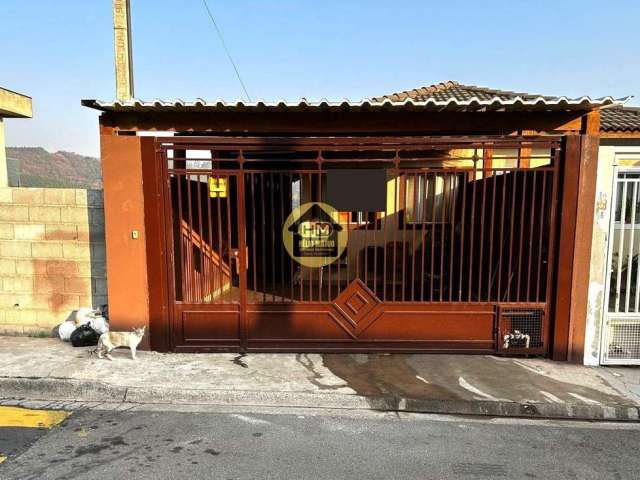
(51, 388)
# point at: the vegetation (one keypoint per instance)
(35, 167)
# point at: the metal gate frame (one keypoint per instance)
(606, 317)
(439, 308)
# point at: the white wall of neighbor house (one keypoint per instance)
(4, 175)
(609, 157)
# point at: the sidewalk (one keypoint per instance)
(47, 369)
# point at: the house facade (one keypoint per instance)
(478, 242)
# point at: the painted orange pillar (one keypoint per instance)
(127, 281)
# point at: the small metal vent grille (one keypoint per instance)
(520, 328)
(623, 341)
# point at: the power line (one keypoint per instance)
(224, 46)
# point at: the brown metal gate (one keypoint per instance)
(460, 259)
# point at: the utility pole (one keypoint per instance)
(123, 49)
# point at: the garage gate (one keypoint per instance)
(458, 257)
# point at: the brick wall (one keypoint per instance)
(52, 256)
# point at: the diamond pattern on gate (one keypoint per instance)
(356, 303)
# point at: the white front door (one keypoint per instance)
(621, 325)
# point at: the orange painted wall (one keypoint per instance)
(124, 212)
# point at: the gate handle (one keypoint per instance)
(234, 258)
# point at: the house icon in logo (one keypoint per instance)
(316, 234)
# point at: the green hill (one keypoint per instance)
(35, 167)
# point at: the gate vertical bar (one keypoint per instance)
(414, 211)
(433, 235)
(272, 187)
(454, 194)
(521, 235)
(180, 254)
(481, 229)
(384, 242)
(634, 196)
(254, 221)
(423, 221)
(623, 213)
(319, 199)
(463, 220)
(242, 257)
(220, 250)
(311, 199)
(403, 267)
(191, 271)
(443, 228)
(212, 263)
(511, 225)
(230, 243)
(473, 221)
(397, 221)
(201, 286)
(501, 248)
(634, 224)
(531, 225)
(490, 271)
(263, 247)
(282, 250)
(542, 211)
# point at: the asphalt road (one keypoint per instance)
(155, 445)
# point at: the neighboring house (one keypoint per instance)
(613, 320)
(12, 105)
(481, 246)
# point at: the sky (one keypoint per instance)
(59, 52)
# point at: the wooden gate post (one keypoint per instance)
(154, 180)
(574, 250)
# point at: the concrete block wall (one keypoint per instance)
(52, 256)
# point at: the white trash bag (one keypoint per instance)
(65, 330)
(80, 317)
(84, 315)
(99, 325)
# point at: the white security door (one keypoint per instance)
(621, 329)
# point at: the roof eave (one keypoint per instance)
(15, 105)
(430, 104)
